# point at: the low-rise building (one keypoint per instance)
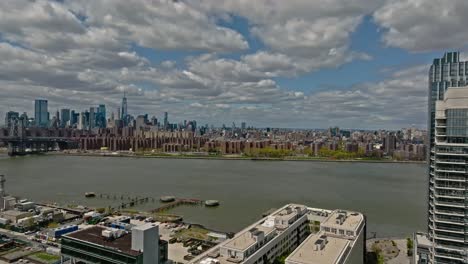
(14, 216)
(264, 241)
(339, 235)
(341, 239)
(103, 245)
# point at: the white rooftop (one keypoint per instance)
(319, 249)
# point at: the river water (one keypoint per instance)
(392, 195)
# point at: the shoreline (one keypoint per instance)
(230, 158)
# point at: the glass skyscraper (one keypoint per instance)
(124, 109)
(448, 161)
(41, 114)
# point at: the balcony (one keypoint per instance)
(450, 178)
(451, 170)
(449, 238)
(451, 153)
(448, 212)
(449, 187)
(452, 195)
(451, 161)
(449, 220)
(448, 256)
(452, 204)
(460, 230)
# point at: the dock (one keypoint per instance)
(177, 202)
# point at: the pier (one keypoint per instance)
(128, 201)
(177, 202)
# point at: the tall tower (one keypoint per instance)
(447, 159)
(41, 114)
(166, 121)
(124, 108)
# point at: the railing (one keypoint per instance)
(448, 212)
(451, 161)
(449, 178)
(450, 204)
(458, 239)
(449, 187)
(450, 229)
(449, 220)
(451, 170)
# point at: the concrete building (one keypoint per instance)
(143, 240)
(103, 245)
(14, 216)
(288, 230)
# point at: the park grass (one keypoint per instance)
(43, 257)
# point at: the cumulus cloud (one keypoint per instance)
(160, 24)
(424, 25)
(80, 53)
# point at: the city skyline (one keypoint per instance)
(300, 65)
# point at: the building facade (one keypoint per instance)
(289, 229)
(102, 245)
(448, 171)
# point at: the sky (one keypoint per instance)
(269, 63)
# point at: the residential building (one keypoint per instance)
(287, 230)
(447, 156)
(448, 226)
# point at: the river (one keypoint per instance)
(392, 195)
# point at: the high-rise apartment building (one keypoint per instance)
(447, 240)
(41, 114)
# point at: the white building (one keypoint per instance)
(340, 240)
(144, 239)
(264, 241)
(340, 234)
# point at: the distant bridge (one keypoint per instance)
(19, 144)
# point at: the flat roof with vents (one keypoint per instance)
(320, 249)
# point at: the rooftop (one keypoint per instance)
(319, 249)
(245, 239)
(14, 213)
(94, 235)
(344, 220)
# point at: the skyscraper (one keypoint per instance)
(64, 117)
(41, 114)
(166, 121)
(10, 117)
(101, 119)
(92, 118)
(447, 159)
(124, 109)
